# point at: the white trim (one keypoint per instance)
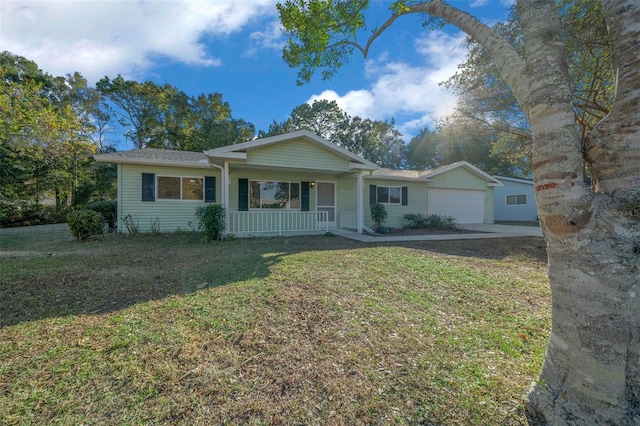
(332, 223)
(152, 162)
(225, 194)
(524, 181)
(360, 199)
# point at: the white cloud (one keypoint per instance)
(271, 38)
(411, 91)
(106, 37)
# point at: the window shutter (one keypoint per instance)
(243, 195)
(209, 189)
(405, 195)
(372, 194)
(304, 196)
(148, 187)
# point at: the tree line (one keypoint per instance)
(51, 126)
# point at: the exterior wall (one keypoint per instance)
(298, 153)
(170, 215)
(527, 212)
(416, 192)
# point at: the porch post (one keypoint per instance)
(360, 190)
(225, 194)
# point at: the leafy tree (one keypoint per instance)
(164, 117)
(138, 108)
(591, 373)
(42, 133)
(487, 101)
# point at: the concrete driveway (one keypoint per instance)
(480, 231)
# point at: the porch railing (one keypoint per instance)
(349, 220)
(276, 222)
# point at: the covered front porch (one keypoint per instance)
(285, 185)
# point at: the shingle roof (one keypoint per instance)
(405, 174)
(155, 155)
(159, 154)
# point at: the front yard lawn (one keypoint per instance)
(306, 330)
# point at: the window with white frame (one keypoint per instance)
(516, 199)
(180, 188)
(389, 194)
(274, 195)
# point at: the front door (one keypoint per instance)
(326, 200)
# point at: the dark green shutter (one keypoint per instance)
(304, 196)
(373, 197)
(243, 195)
(405, 195)
(209, 189)
(148, 187)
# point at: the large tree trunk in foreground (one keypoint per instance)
(591, 373)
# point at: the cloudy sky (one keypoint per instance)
(234, 47)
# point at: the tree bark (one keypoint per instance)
(591, 372)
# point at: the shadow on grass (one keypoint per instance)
(45, 275)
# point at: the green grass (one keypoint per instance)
(315, 330)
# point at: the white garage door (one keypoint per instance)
(466, 205)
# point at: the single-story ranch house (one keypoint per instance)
(291, 183)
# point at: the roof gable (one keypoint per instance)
(491, 181)
(241, 151)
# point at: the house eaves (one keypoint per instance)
(157, 157)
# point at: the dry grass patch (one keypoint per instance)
(309, 330)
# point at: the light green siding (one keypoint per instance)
(458, 178)
(169, 215)
(297, 154)
(416, 193)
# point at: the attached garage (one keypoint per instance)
(465, 205)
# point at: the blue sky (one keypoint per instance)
(234, 47)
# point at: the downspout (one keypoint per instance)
(360, 191)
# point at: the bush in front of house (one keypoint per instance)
(108, 210)
(211, 221)
(378, 216)
(83, 224)
(432, 221)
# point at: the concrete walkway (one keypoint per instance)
(481, 231)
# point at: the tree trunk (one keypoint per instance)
(591, 372)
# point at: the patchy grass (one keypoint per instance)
(308, 330)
